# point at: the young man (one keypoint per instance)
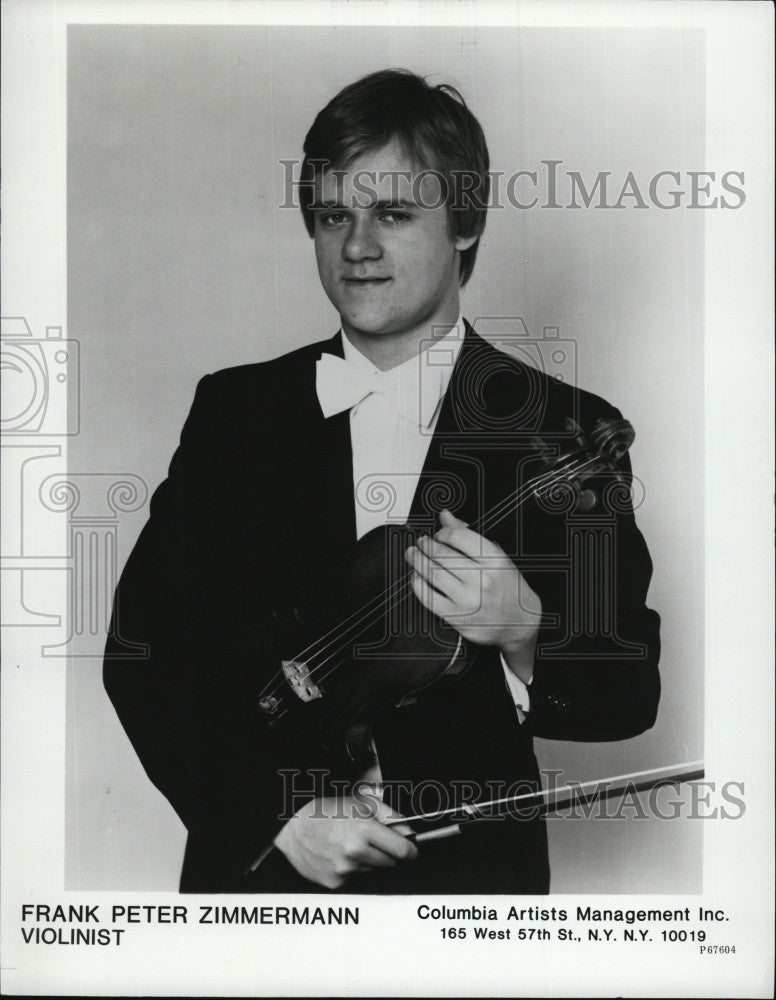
(404, 415)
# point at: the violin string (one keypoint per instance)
(494, 517)
(365, 616)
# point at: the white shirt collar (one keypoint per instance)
(419, 383)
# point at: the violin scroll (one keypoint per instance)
(612, 438)
(593, 453)
(609, 439)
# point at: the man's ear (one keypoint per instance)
(462, 243)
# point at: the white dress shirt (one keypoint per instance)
(392, 419)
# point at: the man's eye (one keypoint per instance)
(395, 217)
(334, 219)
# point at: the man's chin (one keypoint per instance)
(367, 326)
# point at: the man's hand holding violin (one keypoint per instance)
(472, 584)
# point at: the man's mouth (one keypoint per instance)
(366, 281)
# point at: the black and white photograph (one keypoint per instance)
(385, 447)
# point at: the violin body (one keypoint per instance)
(382, 654)
(373, 647)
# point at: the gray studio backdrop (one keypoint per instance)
(181, 262)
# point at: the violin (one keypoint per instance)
(374, 647)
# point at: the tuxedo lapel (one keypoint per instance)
(331, 462)
(453, 473)
(315, 500)
(331, 458)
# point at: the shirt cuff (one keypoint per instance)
(518, 690)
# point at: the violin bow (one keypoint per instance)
(552, 800)
(565, 795)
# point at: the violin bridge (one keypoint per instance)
(298, 676)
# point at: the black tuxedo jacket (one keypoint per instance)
(257, 516)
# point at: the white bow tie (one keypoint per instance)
(341, 385)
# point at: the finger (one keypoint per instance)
(372, 857)
(449, 520)
(467, 541)
(452, 560)
(403, 828)
(386, 813)
(450, 528)
(391, 843)
(389, 816)
(446, 609)
(438, 576)
(437, 603)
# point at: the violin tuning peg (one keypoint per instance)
(542, 449)
(579, 435)
(587, 500)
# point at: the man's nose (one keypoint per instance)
(362, 242)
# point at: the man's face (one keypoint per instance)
(387, 261)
